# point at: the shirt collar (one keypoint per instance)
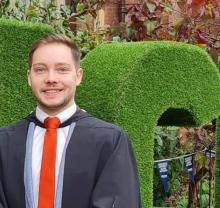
(63, 116)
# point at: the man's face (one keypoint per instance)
(53, 77)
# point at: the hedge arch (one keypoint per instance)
(140, 85)
(16, 39)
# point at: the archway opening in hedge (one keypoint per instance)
(177, 117)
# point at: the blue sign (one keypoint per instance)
(162, 168)
(188, 161)
(209, 153)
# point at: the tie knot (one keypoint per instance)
(52, 123)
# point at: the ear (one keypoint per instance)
(79, 76)
(28, 77)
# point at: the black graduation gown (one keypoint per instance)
(99, 172)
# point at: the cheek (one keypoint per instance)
(70, 81)
(35, 84)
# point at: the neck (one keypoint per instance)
(54, 111)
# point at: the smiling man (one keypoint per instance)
(54, 76)
(59, 155)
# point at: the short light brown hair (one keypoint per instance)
(56, 38)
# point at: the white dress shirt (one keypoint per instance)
(38, 142)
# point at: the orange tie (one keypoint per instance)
(48, 164)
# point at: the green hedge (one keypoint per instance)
(15, 40)
(140, 85)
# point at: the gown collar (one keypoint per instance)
(78, 115)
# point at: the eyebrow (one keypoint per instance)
(57, 64)
(62, 64)
(39, 64)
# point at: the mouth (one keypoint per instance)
(52, 92)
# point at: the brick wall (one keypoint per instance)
(111, 9)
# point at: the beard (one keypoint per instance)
(55, 108)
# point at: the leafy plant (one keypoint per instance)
(67, 20)
(171, 142)
(190, 21)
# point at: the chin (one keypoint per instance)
(54, 104)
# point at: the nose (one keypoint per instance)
(51, 77)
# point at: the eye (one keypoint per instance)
(63, 70)
(39, 69)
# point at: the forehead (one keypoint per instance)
(51, 53)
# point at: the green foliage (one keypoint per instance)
(37, 12)
(133, 84)
(15, 40)
(204, 202)
(187, 140)
(167, 148)
(176, 188)
(182, 203)
(60, 18)
(165, 142)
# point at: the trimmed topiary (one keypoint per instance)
(141, 85)
(16, 39)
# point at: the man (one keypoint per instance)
(60, 156)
